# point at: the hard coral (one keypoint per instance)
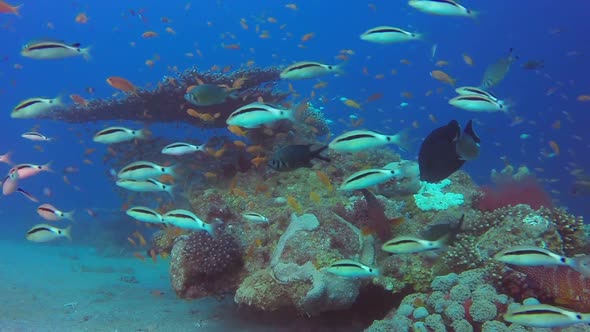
(511, 193)
(202, 265)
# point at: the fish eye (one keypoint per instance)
(388, 138)
(59, 232)
(133, 132)
(163, 169)
(562, 259)
(370, 270)
(579, 317)
(330, 67)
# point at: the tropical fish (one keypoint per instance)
(257, 114)
(496, 72)
(45, 233)
(525, 255)
(307, 69)
(367, 178)
(34, 107)
(471, 90)
(411, 245)
(141, 170)
(361, 140)
(180, 148)
(9, 9)
(296, 156)
(122, 84)
(5, 158)
(351, 269)
(441, 7)
(113, 135)
(50, 212)
(10, 183)
(544, 315)
(439, 157)
(478, 103)
(145, 214)
(187, 220)
(467, 146)
(147, 185)
(28, 170)
(35, 136)
(207, 94)
(47, 50)
(441, 76)
(255, 217)
(388, 35)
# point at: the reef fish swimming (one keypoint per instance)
(292, 157)
(145, 214)
(496, 72)
(306, 69)
(360, 140)
(388, 35)
(351, 269)
(206, 95)
(368, 177)
(34, 107)
(181, 148)
(113, 135)
(257, 114)
(445, 150)
(46, 233)
(46, 50)
(544, 315)
(141, 170)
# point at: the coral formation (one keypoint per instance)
(201, 265)
(431, 197)
(511, 192)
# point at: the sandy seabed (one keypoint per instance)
(60, 287)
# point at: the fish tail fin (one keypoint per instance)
(68, 232)
(70, 215)
(339, 68)
(170, 190)
(213, 228)
(402, 139)
(16, 9)
(8, 158)
(317, 154)
(47, 167)
(172, 170)
(86, 53)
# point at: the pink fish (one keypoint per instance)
(5, 158)
(50, 212)
(10, 183)
(28, 170)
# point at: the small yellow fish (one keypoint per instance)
(294, 204)
(353, 104)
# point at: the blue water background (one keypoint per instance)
(525, 26)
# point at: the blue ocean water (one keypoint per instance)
(544, 30)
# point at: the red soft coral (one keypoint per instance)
(510, 193)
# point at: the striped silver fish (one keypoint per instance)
(411, 245)
(46, 233)
(141, 170)
(180, 148)
(145, 214)
(525, 255)
(367, 178)
(257, 114)
(113, 135)
(34, 107)
(309, 69)
(45, 50)
(187, 220)
(471, 90)
(360, 140)
(477, 103)
(147, 185)
(442, 7)
(35, 136)
(255, 217)
(351, 269)
(389, 35)
(544, 315)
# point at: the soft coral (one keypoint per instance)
(513, 192)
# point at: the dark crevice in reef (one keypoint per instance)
(373, 303)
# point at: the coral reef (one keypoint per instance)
(464, 302)
(431, 197)
(201, 265)
(512, 192)
(162, 103)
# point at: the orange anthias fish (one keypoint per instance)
(9, 9)
(122, 84)
(82, 18)
(441, 76)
